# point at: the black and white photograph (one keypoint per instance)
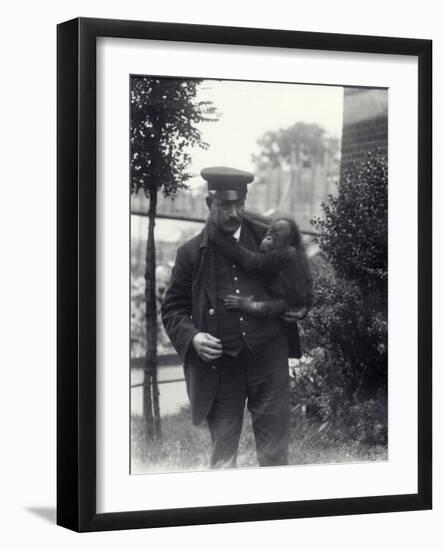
(259, 274)
(220, 283)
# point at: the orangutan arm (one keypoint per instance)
(269, 263)
(265, 309)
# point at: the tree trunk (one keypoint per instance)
(151, 408)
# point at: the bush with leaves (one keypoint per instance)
(344, 379)
(353, 230)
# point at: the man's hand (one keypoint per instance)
(208, 347)
(294, 315)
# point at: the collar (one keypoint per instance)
(204, 236)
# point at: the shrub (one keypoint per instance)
(353, 231)
(343, 379)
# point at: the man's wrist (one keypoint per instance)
(191, 344)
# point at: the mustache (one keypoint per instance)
(232, 218)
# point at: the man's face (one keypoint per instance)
(226, 214)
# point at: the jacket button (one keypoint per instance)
(211, 311)
(213, 367)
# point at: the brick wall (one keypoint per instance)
(365, 123)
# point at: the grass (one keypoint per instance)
(186, 447)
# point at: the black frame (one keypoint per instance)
(76, 273)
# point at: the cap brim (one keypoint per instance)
(228, 194)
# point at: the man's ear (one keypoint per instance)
(208, 202)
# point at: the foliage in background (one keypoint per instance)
(138, 316)
(138, 313)
(343, 382)
(300, 144)
(353, 231)
(164, 128)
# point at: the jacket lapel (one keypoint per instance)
(247, 239)
(205, 277)
(206, 272)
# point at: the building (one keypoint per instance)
(365, 124)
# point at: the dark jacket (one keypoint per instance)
(189, 307)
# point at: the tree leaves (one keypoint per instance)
(348, 322)
(355, 224)
(164, 128)
(302, 142)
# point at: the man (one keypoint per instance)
(229, 357)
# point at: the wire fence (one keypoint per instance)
(172, 359)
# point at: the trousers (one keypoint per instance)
(261, 380)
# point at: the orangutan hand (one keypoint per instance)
(233, 302)
(294, 315)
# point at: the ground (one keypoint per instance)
(186, 447)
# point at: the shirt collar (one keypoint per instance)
(204, 234)
(236, 235)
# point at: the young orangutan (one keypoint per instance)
(282, 259)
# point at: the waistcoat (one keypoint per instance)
(234, 328)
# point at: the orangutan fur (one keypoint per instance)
(282, 260)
